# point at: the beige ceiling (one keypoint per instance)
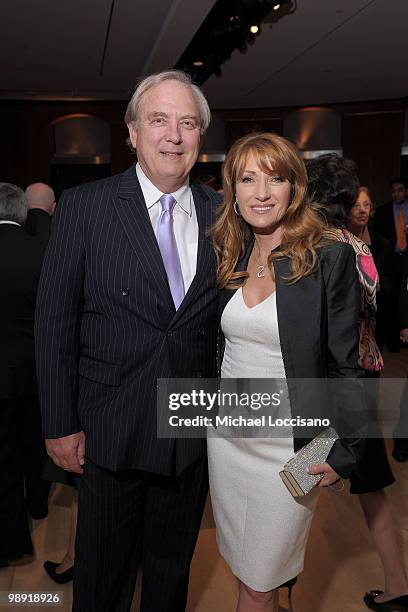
(327, 51)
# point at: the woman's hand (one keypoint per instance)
(330, 476)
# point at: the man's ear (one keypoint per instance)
(132, 134)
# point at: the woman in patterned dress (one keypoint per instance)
(333, 183)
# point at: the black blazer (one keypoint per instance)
(384, 223)
(403, 299)
(21, 254)
(318, 329)
(107, 329)
(382, 253)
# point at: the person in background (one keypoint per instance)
(359, 224)
(391, 221)
(24, 233)
(63, 572)
(403, 304)
(333, 183)
(400, 451)
(381, 250)
(41, 195)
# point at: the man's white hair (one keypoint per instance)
(13, 203)
(132, 111)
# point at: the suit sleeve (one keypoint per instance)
(385, 268)
(38, 224)
(58, 320)
(343, 309)
(379, 220)
(403, 299)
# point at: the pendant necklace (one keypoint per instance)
(261, 267)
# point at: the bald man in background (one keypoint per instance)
(25, 220)
(40, 196)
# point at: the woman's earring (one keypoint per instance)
(236, 210)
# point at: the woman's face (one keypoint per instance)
(360, 212)
(262, 198)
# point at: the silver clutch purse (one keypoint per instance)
(295, 475)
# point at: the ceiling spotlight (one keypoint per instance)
(198, 63)
(254, 29)
(276, 6)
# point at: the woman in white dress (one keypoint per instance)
(288, 309)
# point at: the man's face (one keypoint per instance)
(167, 135)
(398, 193)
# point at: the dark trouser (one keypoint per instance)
(401, 428)
(34, 454)
(130, 517)
(393, 326)
(22, 454)
(373, 471)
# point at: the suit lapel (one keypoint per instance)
(132, 212)
(226, 294)
(205, 255)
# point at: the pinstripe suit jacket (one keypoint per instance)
(106, 326)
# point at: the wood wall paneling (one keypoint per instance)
(26, 147)
(374, 142)
(371, 135)
(241, 127)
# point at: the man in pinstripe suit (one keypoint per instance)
(108, 325)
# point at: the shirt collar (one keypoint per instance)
(4, 222)
(404, 204)
(152, 194)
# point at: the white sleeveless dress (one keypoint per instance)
(262, 530)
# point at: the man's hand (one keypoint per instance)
(404, 334)
(330, 476)
(68, 452)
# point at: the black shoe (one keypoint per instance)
(62, 578)
(398, 604)
(400, 451)
(289, 584)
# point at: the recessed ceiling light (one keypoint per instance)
(276, 6)
(254, 29)
(198, 63)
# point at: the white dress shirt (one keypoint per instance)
(185, 222)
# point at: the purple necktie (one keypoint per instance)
(168, 249)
